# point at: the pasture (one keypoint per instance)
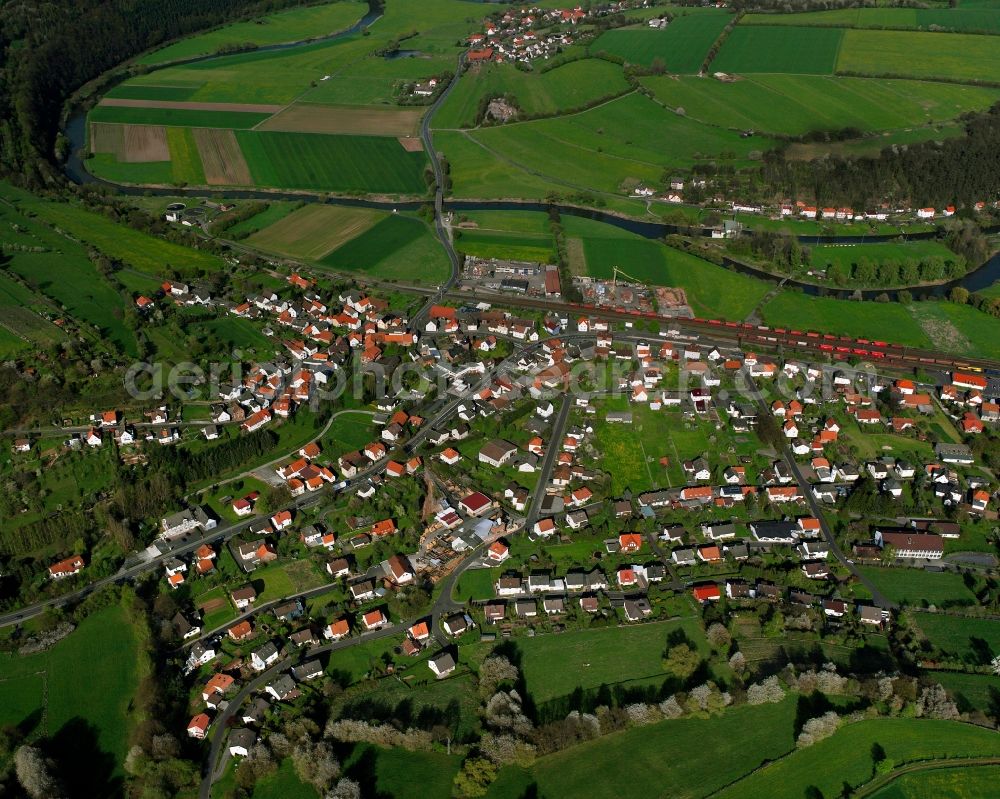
(663, 758)
(958, 328)
(847, 255)
(682, 46)
(780, 49)
(372, 80)
(332, 163)
(569, 86)
(797, 104)
(919, 587)
(920, 55)
(631, 139)
(844, 757)
(315, 230)
(287, 26)
(275, 211)
(177, 117)
(477, 172)
(969, 690)
(373, 121)
(961, 637)
(962, 19)
(79, 692)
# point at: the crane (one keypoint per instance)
(623, 273)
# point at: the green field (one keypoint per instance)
(780, 49)
(629, 140)
(970, 782)
(970, 691)
(486, 244)
(682, 46)
(184, 157)
(398, 247)
(176, 117)
(146, 253)
(107, 166)
(19, 310)
(845, 756)
(959, 328)
(312, 231)
(958, 19)
(919, 55)
(275, 210)
(332, 163)
(131, 91)
(956, 634)
(797, 104)
(86, 681)
(347, 433)
(569, 86)
(556, 665)
(479, 173)
(916, 586)
(287, 26)
(686, 757)
(373, 80)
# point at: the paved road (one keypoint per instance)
(805, 488)
(549, 461)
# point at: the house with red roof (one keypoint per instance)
(706, 593)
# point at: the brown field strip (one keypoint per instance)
(145, 143)
(221, 157)
(412, 144)
(315, 230)
(254, 108)
(105, 138)
(350, 120)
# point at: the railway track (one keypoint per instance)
(764, 337)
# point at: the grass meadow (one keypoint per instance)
(682, 46)
(780, 49)
(956, 634)
(917, 586)
(287, 26)
(963, 18)
(315, 230)
(797, 104)
(958, 782)
(568, 86)
(397, 247)
(78, 692)
(920, 55)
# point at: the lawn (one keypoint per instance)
(795, 51)
(919, 55)
(845, 756)
(176, 117)
(916, 586)
(397, 247)
(956, 634)
(680, 758)
(314, 230)
(87, 680)
(556, 665)
(287, 26)
(968, 782)
(353, 663)
(405, 775)
(477, 584)
(235, 333)
(558, 90)
(332, 163)
(284, 784)
(959, 328)
(797, 104)
(347, 433)
(682, 46)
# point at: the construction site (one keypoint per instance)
(624, 293)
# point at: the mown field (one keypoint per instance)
(332, 163)
(847, 255)
(375, 81)
(780, 49)
(969, 782)
(78, 693)
(287, 26)
(176, 117)
(396, 248)
(920, 55)
(845, 756)
(606, 656)
(917, 586)
(682, 46)
(569, 86)
(797, 104)
(686, 757)
(513, 246)
(314, 230)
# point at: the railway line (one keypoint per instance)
(763, 337)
